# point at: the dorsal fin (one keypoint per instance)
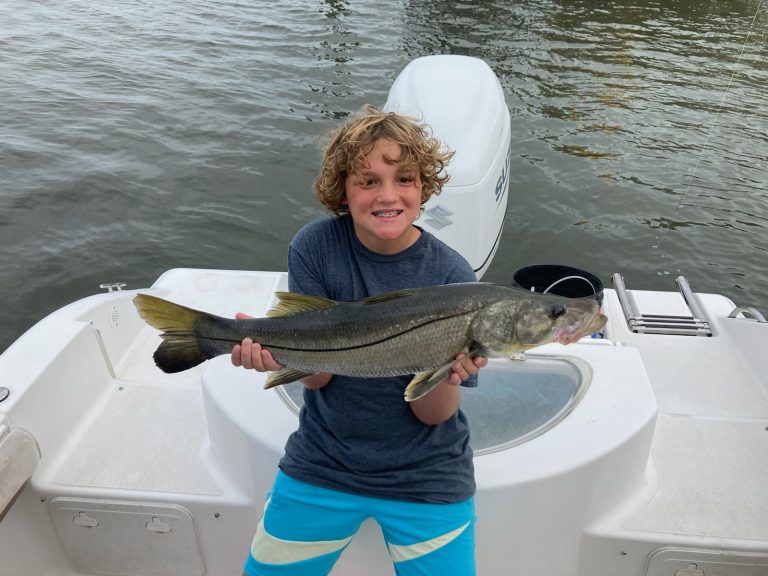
(293, 303)
(387, 296)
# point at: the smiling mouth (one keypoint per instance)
(387, 213)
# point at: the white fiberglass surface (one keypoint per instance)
(515, 400)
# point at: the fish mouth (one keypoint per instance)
(571, 333)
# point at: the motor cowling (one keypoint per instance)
(462, 101)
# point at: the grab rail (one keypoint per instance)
(754, 312)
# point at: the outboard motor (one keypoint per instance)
(461, 99)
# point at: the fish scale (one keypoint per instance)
(424, 348)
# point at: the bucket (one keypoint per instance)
(561, 280)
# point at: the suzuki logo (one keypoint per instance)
(438, 217)
(503, 181)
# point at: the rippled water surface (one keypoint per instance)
(140, 136)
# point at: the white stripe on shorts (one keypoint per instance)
(401, 553)
(271, 550)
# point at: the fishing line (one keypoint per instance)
(660, 238)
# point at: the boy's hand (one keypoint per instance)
(443, 401)
(251, 355)
(466, 366)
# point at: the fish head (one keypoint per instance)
(582, 317)
(527, 320)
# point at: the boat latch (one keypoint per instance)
(113, 287)
(84, 520)
(691, 570)
(158, 526)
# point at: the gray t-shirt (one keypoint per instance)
(358, 434)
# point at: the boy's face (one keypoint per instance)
(384, 200)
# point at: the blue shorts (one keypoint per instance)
(305, 529)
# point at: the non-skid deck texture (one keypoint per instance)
(711, 479)
(145, 438)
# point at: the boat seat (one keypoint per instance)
(19, 456)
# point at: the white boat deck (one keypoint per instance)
(704, 483)
(119, 440)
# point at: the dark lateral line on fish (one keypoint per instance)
(357, 347)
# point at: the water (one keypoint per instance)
(140, 136)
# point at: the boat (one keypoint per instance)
(638, 451)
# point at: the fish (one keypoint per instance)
(417, 331)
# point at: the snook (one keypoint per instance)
(417, 331)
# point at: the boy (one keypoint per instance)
(360, 450)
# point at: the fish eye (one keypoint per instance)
(557, 310)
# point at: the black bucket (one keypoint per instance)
(561, 280)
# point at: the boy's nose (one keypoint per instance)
(387, 192)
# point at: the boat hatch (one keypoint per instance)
(515, 401)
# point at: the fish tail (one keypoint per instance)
(181, 348)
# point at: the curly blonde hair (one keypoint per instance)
(349, 144)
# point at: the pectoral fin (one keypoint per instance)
(284, 376)
(478, 349)
(424, 382)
